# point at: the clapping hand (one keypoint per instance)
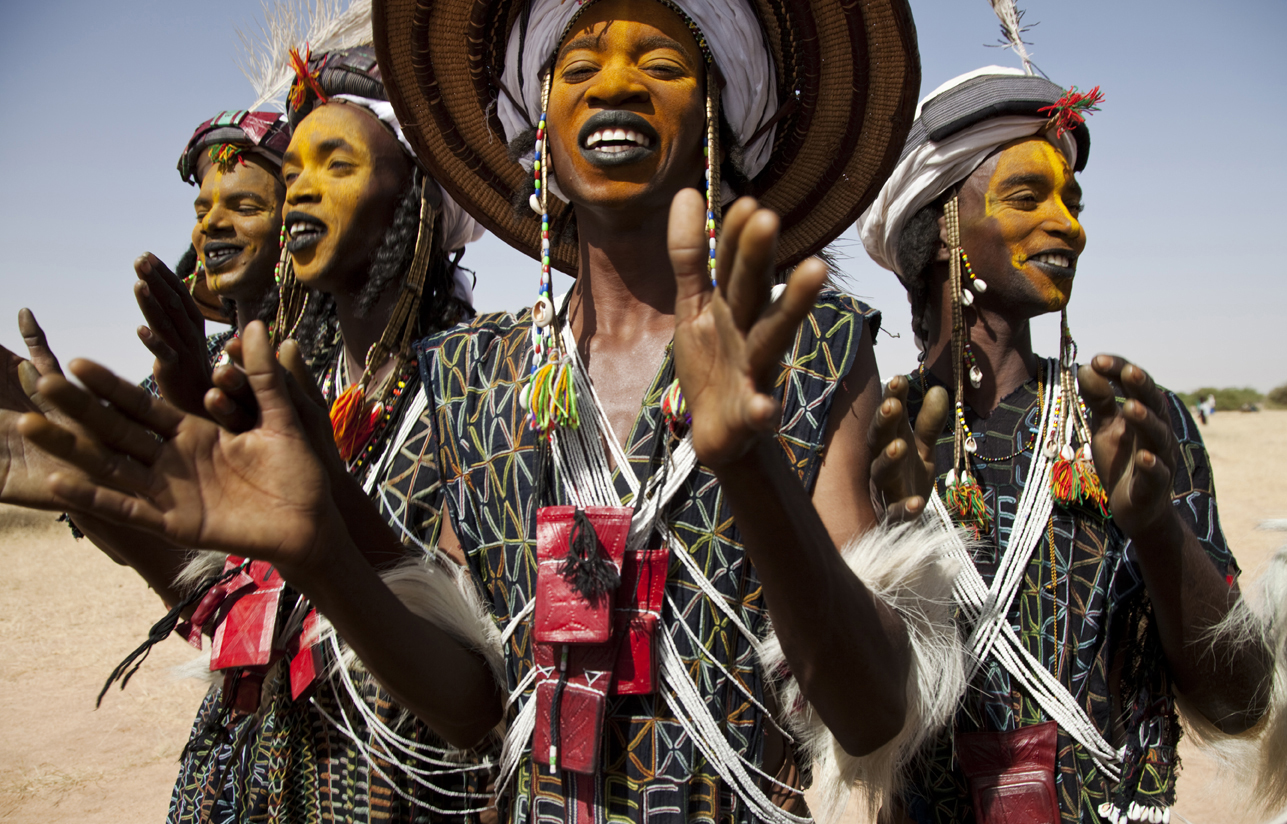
(730, 337)
(175, 335)
(902, 466)
(262, 493)
(1134, 448)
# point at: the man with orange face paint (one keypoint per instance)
(1100, 568)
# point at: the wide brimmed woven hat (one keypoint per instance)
(852, 68)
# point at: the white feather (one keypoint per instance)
(908, 568)
(321, 25)
(1010, 16)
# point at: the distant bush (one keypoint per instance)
(1278, 396)
(1228, 399)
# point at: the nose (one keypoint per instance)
(1060, 221)
(617, 86)
(302, 189)
(217, 221)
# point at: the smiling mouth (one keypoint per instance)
(218, 255)
(615, 138)
(303, 231)
(1056, 263)
(614, 141)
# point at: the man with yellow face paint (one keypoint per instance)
(1100, 567)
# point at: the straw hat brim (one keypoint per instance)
(851, 65)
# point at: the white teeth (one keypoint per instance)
(616, 136)
(1054, 260)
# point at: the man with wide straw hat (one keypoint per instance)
(635, 475)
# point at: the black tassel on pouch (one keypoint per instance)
(586, 568)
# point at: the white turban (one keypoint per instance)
(931, 168)
(734, 37)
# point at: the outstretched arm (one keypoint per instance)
(262, 494)
(847, 650)
(24, 468)
(1136, 455)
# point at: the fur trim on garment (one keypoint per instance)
(906, 567)
(444, 594)
(1262, 751)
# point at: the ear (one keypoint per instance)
(942, 254)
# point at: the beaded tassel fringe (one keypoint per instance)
(962, 493)
(549, 395)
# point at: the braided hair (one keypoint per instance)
(917, 252)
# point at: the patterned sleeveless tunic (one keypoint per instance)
(489, 457)
(314, 760)
(1094, 616)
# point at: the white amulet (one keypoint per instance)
(543, 312)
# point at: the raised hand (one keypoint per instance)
(23, 468)
(729, 338)
(1135, 450)
(175, 335)
(262, 493)
(902, 466)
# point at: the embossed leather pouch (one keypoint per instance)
(1012, 774)
(563, 615)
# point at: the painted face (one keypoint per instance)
(627, 109)
(239, 219)
(344, 173)
(1020, 227)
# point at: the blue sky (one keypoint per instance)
(1186, 187)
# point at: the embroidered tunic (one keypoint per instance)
(650, 767)
(312, 760)
(1079, 629)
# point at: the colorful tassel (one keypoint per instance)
(1074, 482)
(552, 397)
(967, 504)
(674, 410)
(351, 423)
(226, 156)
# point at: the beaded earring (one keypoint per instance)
(674, 410)
(549, 395)
(1073, 479)
(292, 298)
(962, 492)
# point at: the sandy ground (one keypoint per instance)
(68, 614)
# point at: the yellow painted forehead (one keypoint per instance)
(1033, 155)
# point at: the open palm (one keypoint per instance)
(730, 337)
(262, 493)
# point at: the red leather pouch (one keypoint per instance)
(563, 616)
(307, 658)
(638, 612)
(245, 636)
(214, 600)
(582, 698)
(1012, 774)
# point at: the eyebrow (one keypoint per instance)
(326, 146)
(1025, 179)
(650, 43)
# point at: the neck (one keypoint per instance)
(1002, 345)
(625, 284)
(360, 332)
(248, 309)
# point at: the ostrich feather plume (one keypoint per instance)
(1012, 30)
(321, 25)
